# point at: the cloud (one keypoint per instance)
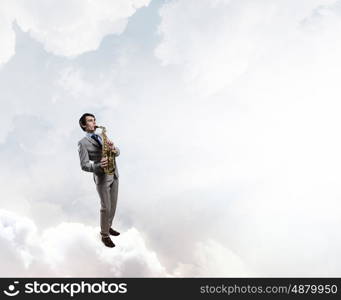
(211, 259)
(67, 28)
(7, 38)
(71, 249)
(228, 141)
(216, 42)
(265, 77)
(75, 250)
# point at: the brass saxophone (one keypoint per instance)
(107, 153)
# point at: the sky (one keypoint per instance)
(227, 116)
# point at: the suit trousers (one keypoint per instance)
(107, 189)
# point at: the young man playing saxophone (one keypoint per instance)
(91, 160)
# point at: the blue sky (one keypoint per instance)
(227, 117)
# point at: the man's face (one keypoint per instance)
(90, 123)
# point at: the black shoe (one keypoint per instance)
(113, 232)
(108, 242)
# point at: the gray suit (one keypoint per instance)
(90, 154)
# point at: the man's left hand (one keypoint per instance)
(111, 146)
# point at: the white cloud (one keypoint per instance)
(71, 249)
(229, 149)
(67, 28)
(75, 250)
(216, 42)
(7, 38)
(266, 76)
(211, 259)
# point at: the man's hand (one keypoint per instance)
(111, 146)
(104, 162)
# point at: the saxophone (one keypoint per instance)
(107, 153)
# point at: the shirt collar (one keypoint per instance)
(89, 134)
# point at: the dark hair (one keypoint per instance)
(82, 120)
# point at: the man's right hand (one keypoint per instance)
(104, 162)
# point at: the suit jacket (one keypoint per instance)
(90, 154)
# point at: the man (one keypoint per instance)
(90, 155)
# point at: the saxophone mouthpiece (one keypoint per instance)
(101, 127)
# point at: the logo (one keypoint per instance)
(12, 291)
(70, 288)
